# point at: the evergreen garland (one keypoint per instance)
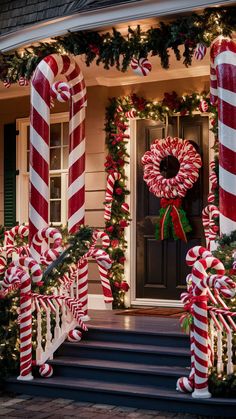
(114, 49)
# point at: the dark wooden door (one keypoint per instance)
(160, 268)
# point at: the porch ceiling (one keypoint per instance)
(98, 76)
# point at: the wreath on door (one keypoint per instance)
(171, 187)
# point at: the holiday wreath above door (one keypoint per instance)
(173, 185)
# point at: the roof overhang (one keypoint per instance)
(102, 18)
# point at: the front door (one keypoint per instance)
(160, 265)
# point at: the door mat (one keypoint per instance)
(157, 311)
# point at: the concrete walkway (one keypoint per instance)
(24, 406)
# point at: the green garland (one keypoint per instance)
(114, 49)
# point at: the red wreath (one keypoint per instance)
(172, 189)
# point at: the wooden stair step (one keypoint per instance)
(150, 397)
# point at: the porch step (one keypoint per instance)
(127, 352)
(159, 338)
(118, 372)
(140, 396)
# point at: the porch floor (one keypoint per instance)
(108, 319)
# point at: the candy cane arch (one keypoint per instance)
(43, 79)
(223, 93)
(16, 274)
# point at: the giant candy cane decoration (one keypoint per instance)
(223, 92)
(43, 79)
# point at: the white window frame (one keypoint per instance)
(22, 180)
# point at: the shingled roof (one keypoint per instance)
(17, 14)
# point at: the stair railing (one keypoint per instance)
(53, 316)
(212, 321)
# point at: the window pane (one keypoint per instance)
(55, 187)
(65, 157)
(55, 158)
(66, 133)
(55, 211)
(55, 135)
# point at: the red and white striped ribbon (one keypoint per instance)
(223, 93)
(209, 215)
(41, 83)
(111, 179)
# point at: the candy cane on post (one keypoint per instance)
(16, 273)
(201, 363)
(209, 215)
(223, 93)
(41, 83)
(111, 179)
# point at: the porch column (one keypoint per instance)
(223, 93)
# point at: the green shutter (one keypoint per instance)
(9, 175)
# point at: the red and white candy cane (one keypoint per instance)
(60, 91)
(10, 236)
(141, 67)
(209, 215)
(200, 51)
(223, 93)
(201, 364)
(3, 264)
(43, 236)
(15, 274)
(131, 114)
(196, 252)
(41, 83)
(111, 179)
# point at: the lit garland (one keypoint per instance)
(117, 114)
(114, 49)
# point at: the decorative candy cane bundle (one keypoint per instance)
(60, 91)
(111, 179)
(42, 237)
(141, 67)
(209, 216)
(10, 236)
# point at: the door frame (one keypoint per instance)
(130, 233)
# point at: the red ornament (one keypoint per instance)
(122, 259)
(200, 51)
(119, 191)
(123, 223)
(232, 271)
(110, 229)
(117, 284)
(124, 286)
(114, 243)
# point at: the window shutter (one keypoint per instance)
(10, 175)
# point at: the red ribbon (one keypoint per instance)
(175, 204)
